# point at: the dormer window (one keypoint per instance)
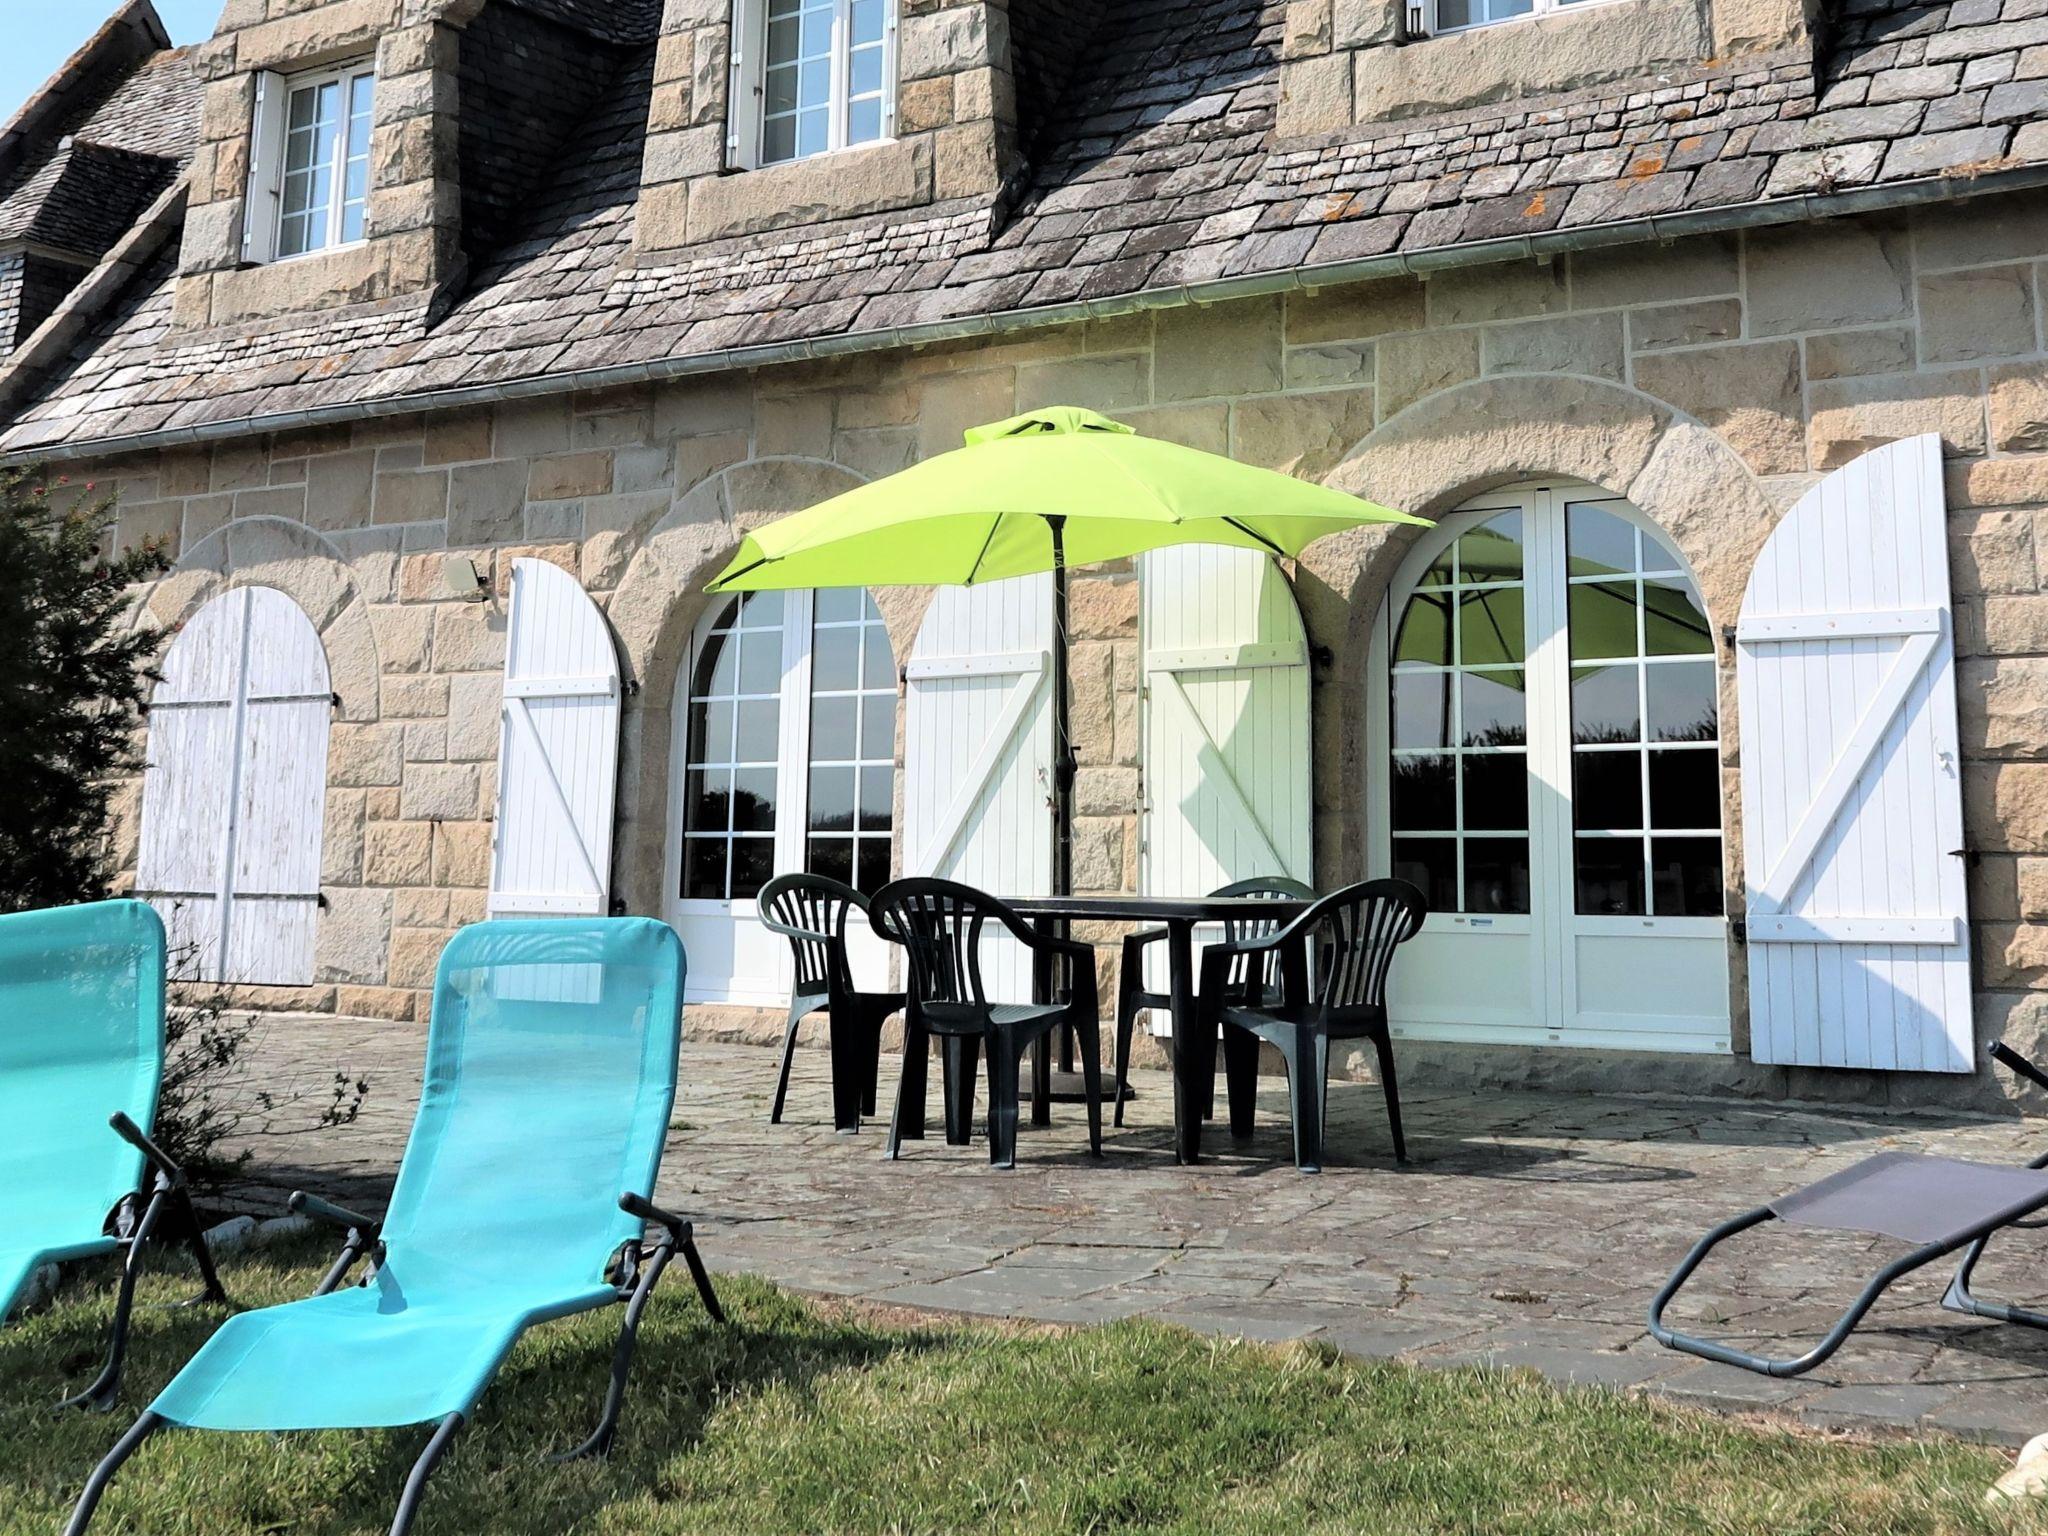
(1436, 16)
(309, 176)
(810, 77)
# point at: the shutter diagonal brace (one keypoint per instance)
(1920, 648)
(1216, 772)
(1023, 694)
(516, 706)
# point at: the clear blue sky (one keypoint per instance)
(41, 35)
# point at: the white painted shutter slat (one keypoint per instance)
(1851, 780)
(558, 752)
(977, 792)
(235, 788)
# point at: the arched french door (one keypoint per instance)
(785, 752)
(1546, 766)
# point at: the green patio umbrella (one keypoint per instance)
(1041, 492)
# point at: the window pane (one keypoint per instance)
(835, 661)
(1598, 543)
(1423, 799)
(711, 741)
(1490, 626)
(1425, 637)
(761, 610)
(867, 21)
(1430, 863)
(841, 605)
(817, 32)
(1683, 702)
(832, 857)
(759, 732)
(1685, 789)
(878, 727)
(780, 91)
(832, 730)
(761, 663)
(813, 133)
(1492, 551)
(704, 869)
(878, 663)
(708, 801)
(1453, 13)
(1607, 791)
(1610, 876)
(1673, 624)
(832, 791)
(1603, 620)
(877, 799)
(1422, 709)
(753, 863)
(753, 800)
(1497, 874)
(864, 76)
(874, 864)
(864, 121)
(778, 139)
(1687, 871)
(1605, 704)
(1496, 791)
(1494, 709)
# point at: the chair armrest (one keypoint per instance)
(153, 1154)
(1140, 938)
(337, 1216)
(648, 1211)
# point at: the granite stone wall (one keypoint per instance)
(1712, 381)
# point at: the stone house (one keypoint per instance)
(1713, 715)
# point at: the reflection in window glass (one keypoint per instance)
(1460, 808)
(853, 741)
(1645, 725)
(324, 189)
(824, 76)
(735, 711)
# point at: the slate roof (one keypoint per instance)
(1154, 170)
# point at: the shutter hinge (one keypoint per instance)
(1322, 656)
(618, 906)
(321, 897)
(632, 687)
(1728, 637)
(1738, 930)
(334, 700)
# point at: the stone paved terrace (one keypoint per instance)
(1530, 1229)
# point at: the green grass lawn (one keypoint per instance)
(804, 1418)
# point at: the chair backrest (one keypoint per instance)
(550, 1079)
(802, 907)
(941, 924)
(81, 1036)
(1358, 929)
(1257, 975)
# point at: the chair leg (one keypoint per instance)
(106, 1386)
(907, 1124)
(1241, 1074)
(103, 1474)
(871, 1067)
(962, 1061)
(1960, 1298)
(1384, 1043)
(699, 1277)
(600, 1441)
(848, 1047)
(195, 1240)
(1308, 1057)
(1089, 1033)
(788, 1056)
(1005, 1073)
(416, 1482)
(1128, 979)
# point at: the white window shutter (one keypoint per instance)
(977, 790)
(558, 751)
(266, 168)
(1226, 743)
(235, 789)
(1858, 936)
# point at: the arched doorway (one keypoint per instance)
(1544, 708)
(784, 759)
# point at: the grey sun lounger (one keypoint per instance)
(1937, 1204)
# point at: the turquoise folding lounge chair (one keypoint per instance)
(550, 1077)
(82, 1049)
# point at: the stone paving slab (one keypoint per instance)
(1529, 1230)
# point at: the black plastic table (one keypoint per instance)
(1179, 916)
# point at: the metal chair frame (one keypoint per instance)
(1957, 1298)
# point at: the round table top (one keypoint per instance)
(1128, 907)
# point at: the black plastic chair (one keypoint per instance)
(1355, 933)
(1938, 1204)
(811, 912)
(940, 925)
(1249, 982)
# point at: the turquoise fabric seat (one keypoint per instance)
(81, 1039)
(522, 1197)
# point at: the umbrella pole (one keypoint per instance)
(1063, 766)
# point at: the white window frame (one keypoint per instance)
(263, 220)
(1423, 20)
(745, 100)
